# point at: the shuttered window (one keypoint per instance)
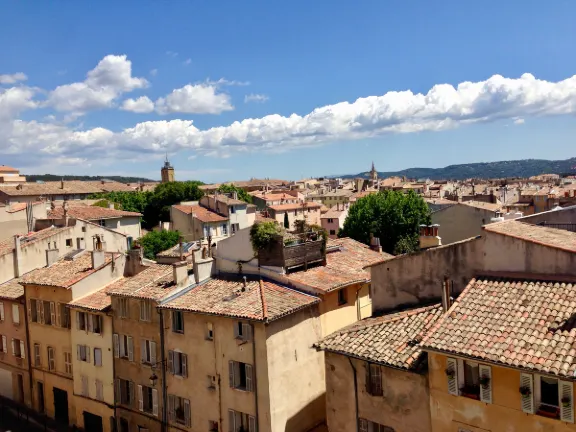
(179, 410)
(124, 392)
(178, 363)
(99, 390)
(1, 311)
(148, 351)
(241, 376)
(123, 346)
(527, 392)
(566, 401)
(452, 375)
(485, 380)
(85, 390)
(148, 400)
(51, 359)
(68, 363)
(97, 357)
(243, 331)
(373, 379)
(15, 314)
(370, 426)
(145, 310)
(37, 355)
(239, 421)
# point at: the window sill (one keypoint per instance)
(470, 396)
(549, 412)
(242, 389)
(178, 331)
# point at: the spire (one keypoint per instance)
(373, 169)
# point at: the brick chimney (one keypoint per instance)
(134, 262)
(429, 237)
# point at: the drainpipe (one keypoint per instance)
(164, 386)
(254, 377)
(29, 357)
(355, 395)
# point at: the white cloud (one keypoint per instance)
(13, 78)
(519, 121)
(225, 82)
(443, 107)
(154, 72)
(187, 61)
(195, 99)
(141, 105)
(14, 100)
(253, 97)
(103, 85)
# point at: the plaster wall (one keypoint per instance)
(460, 221)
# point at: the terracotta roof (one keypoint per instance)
(174, 251)
(333, 213)
(552, 237)
(7, 245)
(8, 169)
(154, 282)
(392, 340)
(260, 218)
(91, 213)
(520, 323)
(295, 206)
(262, 300)
(276, 197)
(65, 272)
(483, 205)
(227, 200)
(344, 266)
(71, 187)
(14, 208)
(202, 213)
(97, 301)
(11, 289)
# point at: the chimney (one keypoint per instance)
(375, 244)
(65, 207)
(98, 257)
(446, 292)
(181, 250)
(62, 183)
(429, 237)
(235, 195)
(110, 205)
(17, 256)
(134, 262)
(244, 284)
(180, 272)
(51, 255)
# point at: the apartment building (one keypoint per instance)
(196, 223)
(307, 211)
(239, 213)
(19, 218)
(333, 220)
(48, 291)
(233, 348)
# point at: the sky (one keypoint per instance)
(231, 90)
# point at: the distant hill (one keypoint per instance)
(52, 177)
(502, 169)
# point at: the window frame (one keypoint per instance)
(342, 297)
(180, 314)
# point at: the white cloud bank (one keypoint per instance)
(443, 107)
(252, 97)
(141, 105)
(13, 78)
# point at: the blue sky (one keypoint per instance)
(193, 69)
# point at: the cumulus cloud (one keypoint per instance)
(442, 107)
(253, 97)
(195, 99)
(13, 78)
(103, 85)
(141, 105)
(14, 100)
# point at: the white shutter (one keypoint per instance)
(77, 320)
(52, 313)
(246, 332)
(486, 390)
(4, 347)
(140, 399)
(90, 323)
(97, 357)
(13, 347)
(130, 348)
(171, 362)
(22, 350)
(116, 345)
(143, 350)
(40, 311)
(187, 416)
(155, 402)
(1, 311)
(231, 373)
(251, 424)
(249, 377)
(527, 401)
(15, 314)
(153, 352)
(566, 396)
(171, 416)
(184, 365)
(452, 365)
(231, 421)
(58, 317)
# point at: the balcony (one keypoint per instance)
(293, 251)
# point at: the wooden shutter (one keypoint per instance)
(236, 330)
(143, 350)
(184, 366)
(40, 304)
(140, 399)
(171, 362)
(171, 416)
(153, 352)
(155, 402)
(187, 416)
(249, 377)
(130, 348)
(87, 354)
(13, 347)
(116, 345)
(246, 332)
(131, 393)
(4, 347)
(231, 373)
(526, 380)
(1, 311)
(22, 350)
(30, 309)
(363, 425)
(486, 390)
(231, 421)
(15, 313)
(566, 396)
(251, 424)
(376, 380)
(452, 365)
(78, 356)
(58, 317)
(53, 313)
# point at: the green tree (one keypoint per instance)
(129, 201)
(157, 241)
(392, 216)
(242, 194)
(286, 221)
(166, 195)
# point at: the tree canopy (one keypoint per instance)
(157, 241)
(242, 194)
(392, 216)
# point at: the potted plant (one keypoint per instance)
(484, 381)
(566, 401)
(525, 391)
(450, 373)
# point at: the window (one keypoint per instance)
(209, 331)
(102, 222)
(232, 209)
(95, 323)
(241, 376)
(83, 353)
(123, 347)
(224, 229)
(3, 347)
(243, 331)
(178, 363)
(51, 359)
(85, 390)
(99, 390)
(123, 307)
(332, 232)
(145, 310)
(97, 357)
(148, 351)
(373, 379)
(207, 231)
(37, 355)
(368, 426)
(15, 314)
(177, 322)
(124, 391)
(123, 425)
(179, 410)
(342, 297)
(18, 348)
(548, 393)
(68, 363)
(295, 212)
(64, 315)
(34, 310)
(68, 242)
(1, 311)
(49, 313)
(148, 399)
(239, 421)
(81, 320)
(471, 387)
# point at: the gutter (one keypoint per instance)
(29, 356)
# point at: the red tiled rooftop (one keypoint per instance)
(97, 301)
(91, 213)
(202, 213)
(296, 206)
(12, 289)
(392, 340)
(344, 266)
(154, 282)
(518, 323)
(261, 301)
(551, 237)
(7, 245)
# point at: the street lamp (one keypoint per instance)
(154, 378)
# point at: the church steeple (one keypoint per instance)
(373, 173)
(167, 171)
